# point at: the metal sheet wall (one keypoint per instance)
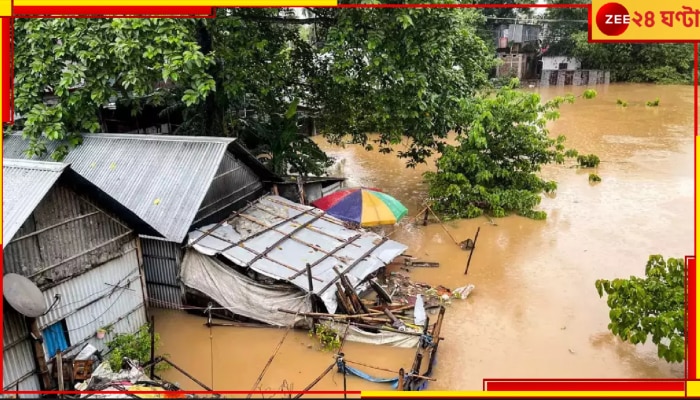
(100, 297)
(161, 264)
(66, 235)
(18, 355)
(233, 182)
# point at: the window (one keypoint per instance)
(56, 338)
(563, 66)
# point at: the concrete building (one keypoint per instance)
(566, 71)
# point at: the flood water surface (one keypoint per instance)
(535, 312)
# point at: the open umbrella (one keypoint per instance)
(363, 206)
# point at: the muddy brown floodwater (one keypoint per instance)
(535, 312)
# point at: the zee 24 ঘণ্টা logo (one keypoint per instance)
(613, 19)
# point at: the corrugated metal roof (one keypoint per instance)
(25, 183)
(277, 238)
(162, 179)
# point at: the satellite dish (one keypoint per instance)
(23, 295)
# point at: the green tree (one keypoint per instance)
(561, 24)
(66, 69)
(402, 73)
(405, 74)
(652, 306)
(281, 145)
(647, 63)
(494, 168)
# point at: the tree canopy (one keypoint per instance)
(67, 68)
(652, 306)
(401, 73)
(494, 168)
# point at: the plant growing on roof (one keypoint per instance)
(494, 167)
(653, 306)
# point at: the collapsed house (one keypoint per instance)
(277, 254)
(79, 247)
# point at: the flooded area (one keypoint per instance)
(535, 312)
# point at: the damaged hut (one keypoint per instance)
(278, 255)
(79, 247)
(174, 183)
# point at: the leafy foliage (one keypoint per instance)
(279, 138)
(494, 168)
(653, 103)
(402, 73)
(327, 337)
(135, 346)
(565, 22)
(621, 103)
(650, 306)
(67, 68)
(588, 161)
(593, 178)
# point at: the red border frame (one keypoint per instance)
(649, 385)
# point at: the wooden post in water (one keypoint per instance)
(401, 373)
(341, 356)
(425, 216)
(472, 250)
(153, 345)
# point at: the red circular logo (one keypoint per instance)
(612, 19)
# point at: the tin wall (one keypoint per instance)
(64, 236)
(110, 295)
(68, 246)
(18, 353)
(233, 186)
(161, 264)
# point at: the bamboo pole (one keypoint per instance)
(315, 381)
(472, 250)
(269, 361)
(381, 328)
(344, 300)
(443, 226)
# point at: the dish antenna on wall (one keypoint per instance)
(23, 295)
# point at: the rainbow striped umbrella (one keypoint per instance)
(364, 206)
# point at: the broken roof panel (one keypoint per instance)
(278, 238)
(25, 184)
(162, 179)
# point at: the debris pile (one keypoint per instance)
(404, 291)
(130, 379)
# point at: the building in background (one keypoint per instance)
(517, 47)
(565, 71)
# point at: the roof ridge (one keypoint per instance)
(34, 164)
(156, 137)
